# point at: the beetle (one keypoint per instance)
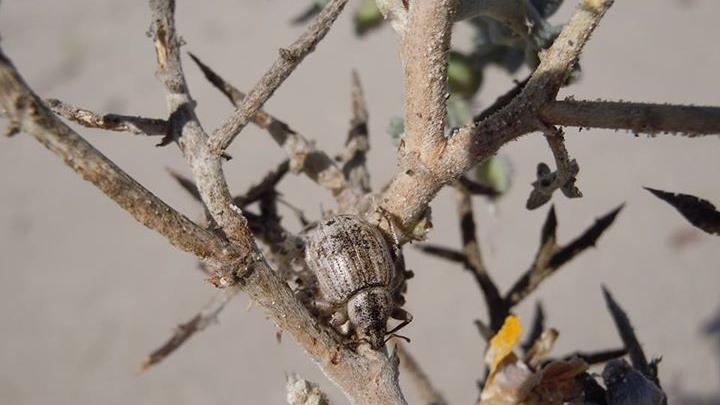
(357, 276)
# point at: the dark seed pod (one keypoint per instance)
(354, 268)
(627, 386)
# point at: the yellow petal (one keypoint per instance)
(504, 341)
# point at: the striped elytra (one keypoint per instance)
(347, 255)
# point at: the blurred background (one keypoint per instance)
(86, 292)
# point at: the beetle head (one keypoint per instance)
(368, 311)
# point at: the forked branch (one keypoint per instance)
(289, 59)
(304, 156)
(407, 197)
(31, 116)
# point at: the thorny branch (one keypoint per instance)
(549, 258)
(358, 144)
(186, 130)
(27, 112)
(407, 197)
(627, 334)
(474, 262)
(304, 156)
(365, 375)
(111, 122)
(206, 317)
(289, 59)
(635, 117)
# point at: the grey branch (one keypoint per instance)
(304, 156)
(186, 130)
(366, 376)
(286, 63)
(112, 122)
(353, 158)
(635, 117)
(407, 196)
(206, 317)
(34, 118)
(424, 53)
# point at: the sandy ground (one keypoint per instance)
(86, 293)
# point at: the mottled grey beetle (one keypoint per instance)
(356, 275)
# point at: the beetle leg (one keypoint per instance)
(339, 320)
(325, 308)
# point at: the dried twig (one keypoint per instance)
(285, 247)
(501, 101)
(627, 334)
(537, 328)
(289, 59)
(111, 122)
(476, 188)
(638, 118)
(32, 117)
(357, 144)
(428, 393)
(267, 184)
(186, 130)
(304, 156)
(206, 317)
(474, 262)
(443, 252)
(266, 228)
(599, 357)
(563, 177)
(701, 213)
(551, 257)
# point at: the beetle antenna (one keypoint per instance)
(393, 335)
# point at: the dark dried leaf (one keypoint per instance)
(586, 240)
(187, 184)
(544, 266)
(476, 188)
(306, 15)
(598, 357)
(218, 82)
(549, 229)
(627, 334)
(701, 213)
(443, 252)
(537, 328)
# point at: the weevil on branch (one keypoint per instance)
(358, 277)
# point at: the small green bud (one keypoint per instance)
(463, 78)
(396, 129)
(495, 172)
(367, 17)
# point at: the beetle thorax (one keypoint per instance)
(368, 311)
